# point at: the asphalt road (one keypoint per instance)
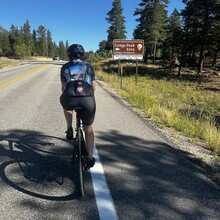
(145, 178)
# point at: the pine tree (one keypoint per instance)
(215, 39)
(173, 42)
(22, 43)
(151, 27)
(50, 44)
(66, 47)
(5, 49)
(13, 37)
(62, 50)
(35, 43)
(27, 36)
(42, 40)
(102, 46)
(117, 29)
(200, 19)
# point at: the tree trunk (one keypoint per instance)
(179, 71)
(145, 55)
(154, 53)
(215, 58)
(201, 60)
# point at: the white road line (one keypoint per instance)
(103, 196)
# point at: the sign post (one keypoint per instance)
(128, 50)
(136, 72)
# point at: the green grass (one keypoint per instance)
(174, 103)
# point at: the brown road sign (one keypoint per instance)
(128, 46)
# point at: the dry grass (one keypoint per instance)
(5, 62)
(179, 103)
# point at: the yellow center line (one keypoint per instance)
(22, 76)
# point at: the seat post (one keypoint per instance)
(77, 117)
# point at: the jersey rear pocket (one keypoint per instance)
(79, 88)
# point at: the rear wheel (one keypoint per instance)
(80, 164)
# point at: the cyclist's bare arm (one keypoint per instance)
(94, 85)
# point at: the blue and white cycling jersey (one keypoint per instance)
(78, 74)
(77, 70)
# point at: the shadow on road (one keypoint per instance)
(155, 179)
(147, 179)
(38, 165)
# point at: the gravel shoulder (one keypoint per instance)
(196, 153)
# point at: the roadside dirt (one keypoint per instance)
(209, 80)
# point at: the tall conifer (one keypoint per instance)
(117, 29)
(152, 16)
(201, 17)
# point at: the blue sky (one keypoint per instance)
(80, 21)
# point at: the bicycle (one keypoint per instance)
(79, 158)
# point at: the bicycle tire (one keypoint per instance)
(80, 163)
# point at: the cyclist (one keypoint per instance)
(78, 86)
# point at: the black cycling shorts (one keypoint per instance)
(86, 103)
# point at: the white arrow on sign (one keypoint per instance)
(117, 48)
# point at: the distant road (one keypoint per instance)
(145, 177)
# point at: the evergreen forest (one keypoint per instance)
(190, 37)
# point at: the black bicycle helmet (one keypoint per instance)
(76, 51)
